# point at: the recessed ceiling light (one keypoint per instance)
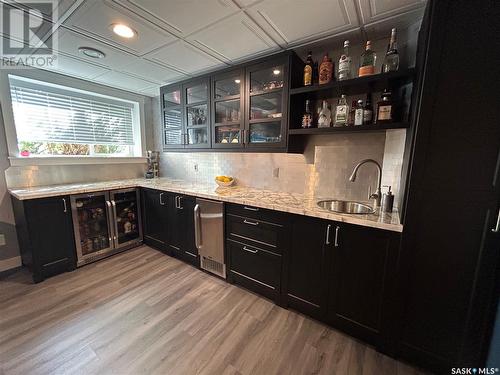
(276, 72)
(123, 30)
(92, 52)
(237, 81)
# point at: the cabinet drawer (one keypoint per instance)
(265, 235)
(259, 267)
(271, 216)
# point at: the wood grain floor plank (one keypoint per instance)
(142, 312)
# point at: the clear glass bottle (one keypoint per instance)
(358, 113)
(345, 63)
(308, 70)
(341, 112)
(307, 117)
(367, 61)
(391, 61)
(352, 112)
(325, 116)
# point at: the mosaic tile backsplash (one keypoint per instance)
(323, 170)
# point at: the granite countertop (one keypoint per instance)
(280, 201)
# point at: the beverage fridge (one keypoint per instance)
(105, 223)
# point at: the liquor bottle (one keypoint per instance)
(325, 70)
(315, 73)
(384, 108)
(352, 112)
(325, 116)
(367, 61)
(368, 110)
(308, 70)
(345, 63)
(341, 112)
(307, 117)
(358, 113)
(391, 61)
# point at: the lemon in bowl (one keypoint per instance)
(224, 181)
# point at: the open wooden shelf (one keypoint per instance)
(405, 75)
(348, 129)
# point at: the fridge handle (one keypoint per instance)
(113, 218)
(65, 206)
(197, 234)
(110, 229)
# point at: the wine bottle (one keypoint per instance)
(391, 61)
(367, 61)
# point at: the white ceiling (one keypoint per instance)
(182, 38)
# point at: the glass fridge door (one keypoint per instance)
(91, 222)
(127, 216)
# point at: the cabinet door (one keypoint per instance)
(52, 239)
(181, 224)
(155, 218)
(305, 284)
(362, 281)
(172, 115)
(197, 113)
(227, 109)
(266, 107)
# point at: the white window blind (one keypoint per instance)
(46, 113)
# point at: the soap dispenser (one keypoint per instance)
(387, 200)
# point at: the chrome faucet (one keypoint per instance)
(377, 196)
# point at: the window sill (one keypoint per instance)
(74, 160)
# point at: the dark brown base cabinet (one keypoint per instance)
(345, 275)
(168, 224)
(45, 234)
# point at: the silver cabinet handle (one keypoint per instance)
(113, 204)
(497, 227)
(110, 215)
(327, 240)
(337, 230)
(251, 222)
(250, 250)
(176, 201)
(197, 234)
(161, 199)
(65, 206)
(250, 208)
(179, 200)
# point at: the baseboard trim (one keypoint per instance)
(7, 264)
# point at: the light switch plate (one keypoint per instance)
(2, 239)
(276, 172)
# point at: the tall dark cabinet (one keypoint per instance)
(154, 222)
(451, 240)
(45, 233)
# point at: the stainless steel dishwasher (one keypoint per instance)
(209, 235)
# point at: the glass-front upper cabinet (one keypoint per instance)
(173, 133)
(197, 113)
(267, 104)
(227, 109)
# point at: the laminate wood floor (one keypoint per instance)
(143, 312)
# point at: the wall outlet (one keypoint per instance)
(276, 172)
(2, 240)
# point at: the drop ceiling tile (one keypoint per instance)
(245, 38)
(292, 22)
(69, 42)
(373, 10)
(184, 57)
(77, 68)
(186, 16)
(59, 8)
(382, 28)
(152, 71)
(96, 17)
(123, 80)
(151, 91)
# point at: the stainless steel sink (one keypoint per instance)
(346, 207)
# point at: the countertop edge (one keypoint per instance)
(348, 219)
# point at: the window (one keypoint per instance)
(53, 120)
